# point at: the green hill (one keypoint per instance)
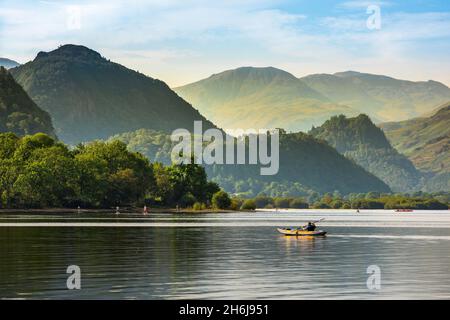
(90, 97)
(382, 98)
(18, 113)
(306, 165)
(426, 141)
(359, 139)
(251, 97)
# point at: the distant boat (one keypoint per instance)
(300, 232)
(404, 210)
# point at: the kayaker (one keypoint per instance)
(310, 226)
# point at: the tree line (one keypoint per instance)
(370, 200)
(36, 171)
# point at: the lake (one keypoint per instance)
(225, 256)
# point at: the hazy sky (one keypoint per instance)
(184, 41)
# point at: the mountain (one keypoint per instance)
(382, 98)
(90, 97)
(359, 139)
(251, 97)
(426, 141)
(8, 63)
(306, 165)
(18, 113)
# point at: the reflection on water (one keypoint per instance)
(187, 259)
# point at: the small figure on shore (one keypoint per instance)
(145, 210)
(178, 208)
(357, 210)
(117, 210)
(78, 209)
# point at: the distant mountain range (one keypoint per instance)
(306, 165)
(260, 98)
(269, 98)
(8, 63)
(382, 98)
(426, 141)
(89, 97)
(18, 113)
(359, 139)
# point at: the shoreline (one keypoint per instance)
(139, 210)
(113, 210)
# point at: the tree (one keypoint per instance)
(92, 180)
(221, 200)
(262, 201)
(37, 171)
(249, 204)
(199, 206)
(8, 145)
(47, 180)
(298, 203)
(281, 202)
(183, 184)
(372, 195)
(123, 177)
(236, 203)
(163, 193)
(28, 144)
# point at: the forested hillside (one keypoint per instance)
(426, 142)
(90, 97)
(359, 139)
(306, 165)
(18, 113)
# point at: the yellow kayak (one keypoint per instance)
(299, 232)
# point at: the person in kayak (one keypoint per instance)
(310, 227)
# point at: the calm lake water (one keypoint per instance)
(225, 256)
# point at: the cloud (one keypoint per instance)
(181, 41)
(395, 27)
(136, 22)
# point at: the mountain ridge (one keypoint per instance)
(306, 165)
(382, 97)
(8, 63)
(269, 97)
(425, 140)
(18, 113)
(263, 97)
(89, 97)
(359, 139)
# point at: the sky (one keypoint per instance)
(182, 41)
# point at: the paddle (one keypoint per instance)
(297, 228)
(321, 219)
